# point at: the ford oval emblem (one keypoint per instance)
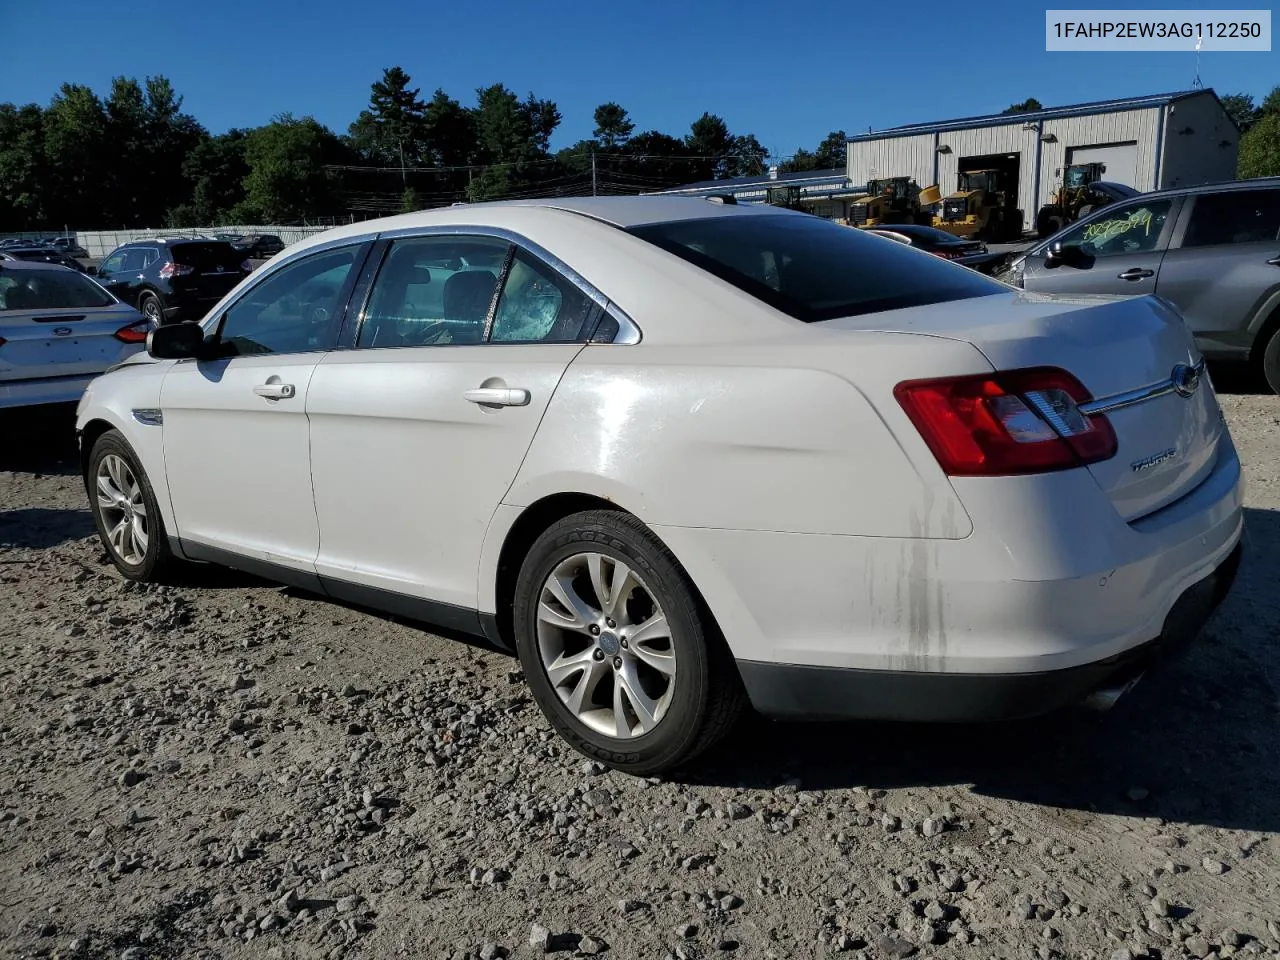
(62, 331)
(1185, 380)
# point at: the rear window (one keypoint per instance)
(813, 269)
(48, 290)
(208, 256)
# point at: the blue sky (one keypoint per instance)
(786, 72)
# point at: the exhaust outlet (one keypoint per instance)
(1104, 699)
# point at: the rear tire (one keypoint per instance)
(640, 680)
(150, 307)
(125, 511)
(1271, 362)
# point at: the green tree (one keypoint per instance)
(75, 129)
(1240, 108)
(1260, 148)
(801, 161)
(287, 179)
(392, 131)
(1029, 105)
(216, 168)
(22, 183)
(749, 158)
(410, 201)
(709, 140)
(655, 160)
(613, 126)
(1270, 103)
(832, 151)
(449, 130)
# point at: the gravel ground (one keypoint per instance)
(227, 768)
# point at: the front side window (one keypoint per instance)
(538, 305)
(813, 269)
(433, 291)
(295, 310)
(1133, 228)
(1237, 216)
(113, 263)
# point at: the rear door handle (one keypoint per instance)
(1274, 261)
(498, 396)
(1136, 273)
(274, 391)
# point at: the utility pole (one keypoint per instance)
(404, 179)
(593, 173)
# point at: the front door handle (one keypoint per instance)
(1274, 261)
(274, 391)
(498, 396)
(1136, 273)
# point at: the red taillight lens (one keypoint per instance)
(1024, 421)
(171, 269)
(134, 332)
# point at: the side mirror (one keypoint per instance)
(1065, 254)
(176, 341)
(91, 270)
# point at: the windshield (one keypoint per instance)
(813, 269)
(49, 290)
(977, 181)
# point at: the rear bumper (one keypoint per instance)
(48, 390)
(790, 691)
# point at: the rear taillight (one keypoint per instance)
(1023, 421)
(171, 269)
(134, 332)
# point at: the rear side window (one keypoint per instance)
(208, 257)
(813, 269)
(1238, 216)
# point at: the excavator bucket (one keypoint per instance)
(930, 195)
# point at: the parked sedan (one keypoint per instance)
(684, 456)
(968, 253)
(42, 255)
(58, 330)
(1212, 250)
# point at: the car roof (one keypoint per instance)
(31, 265)
(1217, 187)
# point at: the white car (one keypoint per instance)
(59, 330)
(684, 455)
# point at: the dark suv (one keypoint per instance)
(1212, 250)
(173, 278)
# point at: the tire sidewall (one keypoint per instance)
(112, 442)
(1271, 362)
(149, 298)
(684, 716)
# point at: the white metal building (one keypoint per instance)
(1166, 140)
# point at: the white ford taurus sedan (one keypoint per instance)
(685, 456)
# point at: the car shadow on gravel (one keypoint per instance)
(39, 528)
(1195, 740)
(1238, 377)
(39, 441)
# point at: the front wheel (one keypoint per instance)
(618, 651)
(124, 510)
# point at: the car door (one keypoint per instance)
(1121, 249)
(236, 445)
(417, 433)
(1223, 268)
(111, 273)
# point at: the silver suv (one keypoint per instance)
(1213, 250)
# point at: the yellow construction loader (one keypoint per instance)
(983, 209)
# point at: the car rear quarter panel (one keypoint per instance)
(788, 437)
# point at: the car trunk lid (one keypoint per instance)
(1125, 352)
(62, 342)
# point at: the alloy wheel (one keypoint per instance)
(605, 645)
(123, 509)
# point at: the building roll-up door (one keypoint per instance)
(1121, 160)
